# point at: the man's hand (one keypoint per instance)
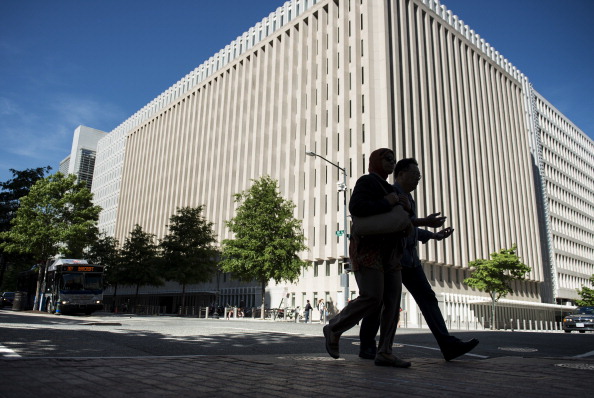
(444, 233)
(432, 221)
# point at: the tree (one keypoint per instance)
(105, 251)
(56, 216)
(494, 276)
(188, 251)
(587, 295)
(267, 237)
(12, 191)
(140, 261)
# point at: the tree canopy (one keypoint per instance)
(267, 238)
(140, 258)
(56, 216)
(188, 251)
(587, 295)
(494, 276)
(10, 193)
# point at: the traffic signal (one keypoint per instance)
(346, 264)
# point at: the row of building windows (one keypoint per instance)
(568, 175)
(572, 282)
(576, 265)
(564, 135)
(558, 206)
(572, 247)
(578, 232)
(565, 159)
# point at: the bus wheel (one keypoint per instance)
(48, 307)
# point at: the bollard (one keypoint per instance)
(511, 324)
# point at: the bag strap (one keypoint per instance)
(379, 183)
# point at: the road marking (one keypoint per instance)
(6, 352)
(587, 354)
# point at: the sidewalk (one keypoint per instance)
(293, 376)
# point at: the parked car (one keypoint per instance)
(581, 320)
(7, 299)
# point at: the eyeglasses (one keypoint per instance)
(415, 173)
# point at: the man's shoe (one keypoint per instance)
(367, 353)
(382, 359)
(454, 350)
(331, 342)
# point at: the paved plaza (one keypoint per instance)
(292, 376)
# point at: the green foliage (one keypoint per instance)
(587, 295)
(494, 276)
(267, 237)
(11, 264)
(56, 216)
(188, 251)
(139, 256)
(14, 189)
(105, 251)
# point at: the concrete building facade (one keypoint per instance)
(342, 78)
(81, 160)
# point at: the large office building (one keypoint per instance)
(341, 78)
(81, 160)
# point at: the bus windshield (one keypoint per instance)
(79, 281)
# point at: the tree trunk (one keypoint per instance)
(493, 313)
(183, 297)
(263, 300)
(115, 291)
(136, 298)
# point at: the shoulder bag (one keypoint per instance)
(396, 220)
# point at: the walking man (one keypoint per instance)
(407, 177)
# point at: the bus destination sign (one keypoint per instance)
(82, 268)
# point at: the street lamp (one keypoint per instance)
(342, 187)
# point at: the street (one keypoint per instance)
(29, 334)
(32, 343)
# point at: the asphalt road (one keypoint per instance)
(37, 335)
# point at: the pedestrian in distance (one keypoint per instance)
(377, 275)
(407, 176)
(307, 311)
(322, 309)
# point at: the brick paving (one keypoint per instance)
(292, 376)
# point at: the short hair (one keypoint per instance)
(404, 164)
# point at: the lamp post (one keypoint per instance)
(342, 187)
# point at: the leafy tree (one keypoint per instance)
(587, 295)
(188, 251)
(105, 251)
(11, 191)
(267, 237)
(57, 216)
(494, 276)
(140, 260)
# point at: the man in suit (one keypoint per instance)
(407, 177)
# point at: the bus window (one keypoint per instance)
(73, 281)
(93, 282)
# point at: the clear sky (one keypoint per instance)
(64, 63)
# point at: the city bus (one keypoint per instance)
(72, 286)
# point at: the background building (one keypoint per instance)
(342, 78)
(81, 160)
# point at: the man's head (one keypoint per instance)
(407, 174)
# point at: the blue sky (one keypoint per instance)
(64, 63)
